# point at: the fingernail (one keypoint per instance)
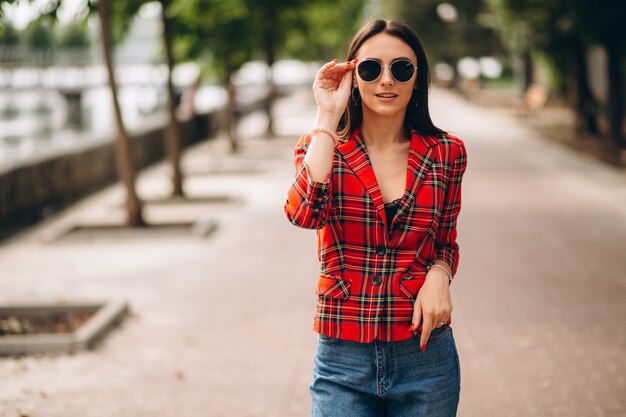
(355, 60)
(423, 347)
(335, 59)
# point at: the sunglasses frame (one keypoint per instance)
(382, 68)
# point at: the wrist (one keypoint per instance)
(440, 271)
(327, 120)
(331, 133)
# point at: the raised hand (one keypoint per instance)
(332, 88)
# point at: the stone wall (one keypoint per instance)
(40, 187)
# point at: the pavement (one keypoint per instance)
(222, 326)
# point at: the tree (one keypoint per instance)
(173, 143)
(321, 30)
(463, 35)
(115, 18)
(275, 22)
(125, 166)
(9, 36)
(220, 32)
(605, 24)
(272, 20)
(561, 30)
(74, 36)
(39, 36)
(125, 11)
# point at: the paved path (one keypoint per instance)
(222, 326)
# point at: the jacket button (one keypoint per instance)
(377, 280)
(381, 250)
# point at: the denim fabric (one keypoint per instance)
(386, 379)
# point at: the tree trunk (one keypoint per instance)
(232, 107)
(270, 58)
(614, 45)
(528, 72)
(172, 131)
(232, 117)
(125, 167)
(582, 100)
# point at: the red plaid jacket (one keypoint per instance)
(370, 275)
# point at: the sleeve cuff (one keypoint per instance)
(449, 256)
(317, 192)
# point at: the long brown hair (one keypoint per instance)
(417, 115)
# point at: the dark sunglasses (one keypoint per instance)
(402, 70)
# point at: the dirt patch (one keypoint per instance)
(61, 322)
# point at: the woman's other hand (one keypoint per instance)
(433, 303)
(332, 88)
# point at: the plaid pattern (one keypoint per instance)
(370, 275)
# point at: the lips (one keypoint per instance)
(386, 95)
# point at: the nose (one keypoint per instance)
(385, 77)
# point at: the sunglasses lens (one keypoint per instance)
(402, 70)
(369, 70)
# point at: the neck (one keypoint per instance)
(383, 131)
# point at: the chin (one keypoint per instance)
(387, 110)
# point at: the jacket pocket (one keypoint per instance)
(333, 286)
(410, 285)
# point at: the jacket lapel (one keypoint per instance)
(420, 160)
(354, 152)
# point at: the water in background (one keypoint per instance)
(34, 113)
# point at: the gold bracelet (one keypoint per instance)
(445, 270)
(326, 130)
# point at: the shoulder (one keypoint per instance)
(450, 140)
(450, 146)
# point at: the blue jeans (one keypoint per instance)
(387, 379)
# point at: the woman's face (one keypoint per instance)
(385, 49)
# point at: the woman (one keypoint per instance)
(382, 186)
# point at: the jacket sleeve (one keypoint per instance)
(308, 201)
(445, 243)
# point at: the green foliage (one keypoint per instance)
(74, 36)
(9, 36)
(122, 13)
(323, 29)
(548, 28)
(227, 33)
(220, 31)
(469, 35)
(39, 35)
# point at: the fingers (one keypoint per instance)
(327, 66)
(427, 327)
(346, 81)
(417, 316)
(334, 70)
(430, 321)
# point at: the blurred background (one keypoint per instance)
(145, 154)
